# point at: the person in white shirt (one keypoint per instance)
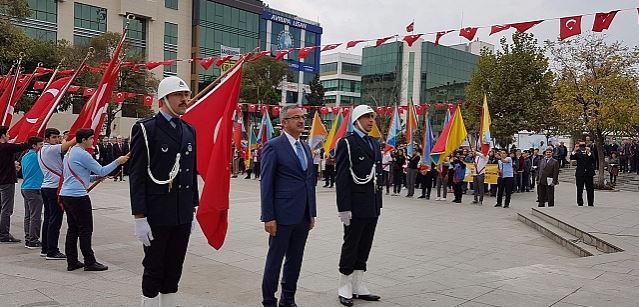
(479, 161)
(387, 160)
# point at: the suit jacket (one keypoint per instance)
(120, 150)
(163, 206)
(548, 170)
(287, 192)
(585, 163)
(363, 200)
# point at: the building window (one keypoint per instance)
(43, 22)
(44, 10)
(328, 68)
(170, 47)
(171, 4)
(136, 36)
(351, 69)
(89, 21)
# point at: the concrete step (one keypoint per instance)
(563, 238)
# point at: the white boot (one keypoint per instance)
(168, 300)
(345, 289)
(359, 288)
(150, 301)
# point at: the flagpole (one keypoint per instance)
(212, 84)
(55, 72)
(13, 86)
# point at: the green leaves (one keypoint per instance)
(260, 79)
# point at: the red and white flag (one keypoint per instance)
(524, 26)
(148, 101)
(93, 112)
(330, 47)
(352, 44)
(212, 117)
(439, 35)
(35, 120)
(468, 33)
(88, 91)
(410, 27)
(603, 21)
(382, 40)
(411, 39)
(207, 62)
(569, 26)
(498, 28)
(38, 85)
(7, 106)
(119, 97)
(303, 53)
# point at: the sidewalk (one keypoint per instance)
(426, 253)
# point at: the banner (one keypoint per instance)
(491, 174)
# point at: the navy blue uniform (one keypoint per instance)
(168, 208)
(363, 200)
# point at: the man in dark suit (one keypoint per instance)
(106, 151)
(287, 191)
(119, 149)
(359, 202)
(548, 169)
(584, 173)
(164, 192)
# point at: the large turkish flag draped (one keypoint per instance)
(569, 26)
(212, 118)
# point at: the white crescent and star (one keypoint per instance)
(569, 22)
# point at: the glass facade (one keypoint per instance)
(328, 69)
(136, 36)
(351, 69)
(381, 74)
(445, 73)
(217, 25)
(341, 85)
(89, 21)
(42, 24)
(171, 4)
(170, 47)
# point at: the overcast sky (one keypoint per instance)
(345, 20)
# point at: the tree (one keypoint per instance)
(316, 96)
(518, 84)
(596, 90)
(260, 79)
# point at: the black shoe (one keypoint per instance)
(33, 245)
(506, 206)
(43, 254)
(367, 297)
(75, 266)
(96, 267)
(345, 301)
(422, 196)
(497, 205)
(287, 305)
(9, 240)
(56, 256)
(540, 205)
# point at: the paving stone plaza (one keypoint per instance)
(426, 253)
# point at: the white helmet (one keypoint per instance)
(359, 111)
(170, 85)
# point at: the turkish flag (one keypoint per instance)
(525, 26)
(93, 113)
(152, 64)
(207, 62)
(603, 21)
(498, 28)
(73, 88)
(303, 53)
(335, 110)
(411, 39)
(354, 43)
(330, 47)
(119, 97)
(222, 60)
(148, 100)
(130, 95)
(569, 26)
(252, 108)
(439, 35)
(212, 118)
(38, 85)
(281, 53)
(410, 27)
(42, 70)
(64, 73)
(468, 33)
(35, 120)
(380, 41)
(275, 111)
(88, 91)
(260, 54)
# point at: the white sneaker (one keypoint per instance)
(437, 199)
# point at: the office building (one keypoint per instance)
(340, 74)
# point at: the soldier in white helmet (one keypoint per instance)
(359, 202)
(164, 191)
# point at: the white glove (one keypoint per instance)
(193, 224)
(143, 231)
(345, 217)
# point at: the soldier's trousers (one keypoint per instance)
(358, 240)
(163, 260)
